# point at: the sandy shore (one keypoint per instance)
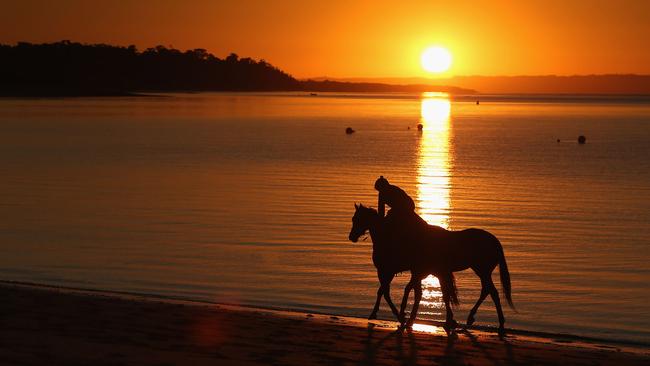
(47, 326)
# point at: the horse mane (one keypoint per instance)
(368, 208)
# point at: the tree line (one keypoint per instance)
(73, 68)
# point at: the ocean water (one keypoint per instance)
(247, 199)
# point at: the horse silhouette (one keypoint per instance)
(384, 257)
(382, 253)
(433, 250)
(390, 259)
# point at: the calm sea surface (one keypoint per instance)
(247, 199)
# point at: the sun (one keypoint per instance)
(436, 59)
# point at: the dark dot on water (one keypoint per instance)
(582, 139)
(558, 140)
(349, 130)
(420, 126)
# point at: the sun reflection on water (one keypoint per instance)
(431, 294)
(433, 160)
(433, 181)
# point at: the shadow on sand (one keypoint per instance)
(405, 348)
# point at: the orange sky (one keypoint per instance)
(361, 38)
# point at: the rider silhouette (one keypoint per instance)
(402, 222)
(393, 196)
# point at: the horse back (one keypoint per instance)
(477, 244)
(462, 249)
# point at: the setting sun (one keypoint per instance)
(436, 59)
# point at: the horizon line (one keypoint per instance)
(434, 78)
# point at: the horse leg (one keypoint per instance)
(373, 315)
(407, 291)
(416, 304)
(495, 297)
(481, 298)
(446, 285)
(385, 281)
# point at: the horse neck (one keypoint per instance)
(377, 232)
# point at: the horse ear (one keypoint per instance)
(356, 206)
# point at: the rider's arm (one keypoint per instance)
(381, 206)
(411, 204)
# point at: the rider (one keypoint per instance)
(393, 196)
(399, 201)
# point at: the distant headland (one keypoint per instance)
(605, 84)
(68, 68)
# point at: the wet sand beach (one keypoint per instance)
(46, 325)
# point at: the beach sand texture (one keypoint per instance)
(45, 325)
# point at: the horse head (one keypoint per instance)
(361, 221)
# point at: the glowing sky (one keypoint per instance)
(360, 38)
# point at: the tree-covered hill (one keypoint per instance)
(70, 68)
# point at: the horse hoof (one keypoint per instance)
(372, 316)
(502, 331)
(470, 321)
(450, 326)
(449, 330)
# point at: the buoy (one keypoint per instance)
(420, 126)
(558, 140)
(582, 139)
(349, 131)
(477, 103)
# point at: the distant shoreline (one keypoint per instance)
(460, 97)
(37, 94)
(609, 84)
(309, 87)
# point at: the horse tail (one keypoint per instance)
(454, 291)
(505, 276)
(449, 289)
